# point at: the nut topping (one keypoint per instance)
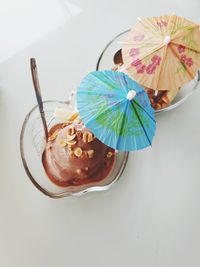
(71, 137)
(85, 154)
(79, 134)
(90, 153)
(63, 143)
(74, 116)
(71, 153)
(70, 130)
(78, 152)
(109, 154)
(71, 143)
(87, 137)
(66, 124)
(77, 120)
(53, 136)
(78, 171)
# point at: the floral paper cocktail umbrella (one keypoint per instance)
(117, 110)
(163, 52)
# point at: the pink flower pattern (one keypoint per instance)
(162, 23)
(140, 68)
(181, 49)
(156, 59)
(150, 69)
(134, 52)
(183, 58)
(138, 37)
(187, 60)
(136, 62)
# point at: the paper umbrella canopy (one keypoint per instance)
(117, 110)
(162, 53)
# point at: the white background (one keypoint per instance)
(151, 217)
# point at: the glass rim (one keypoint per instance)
(63, 194)
(107, 45)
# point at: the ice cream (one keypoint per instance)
(74, 156)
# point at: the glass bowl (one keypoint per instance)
(105, 62)
(32, 146)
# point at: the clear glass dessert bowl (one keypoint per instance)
(32, 145)
(105, 62)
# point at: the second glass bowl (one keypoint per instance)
(105, 62)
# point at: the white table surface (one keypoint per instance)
(151, 216)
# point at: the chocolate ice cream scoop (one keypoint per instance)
(117, 59)
(73, 156)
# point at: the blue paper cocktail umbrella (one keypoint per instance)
(117, 110)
